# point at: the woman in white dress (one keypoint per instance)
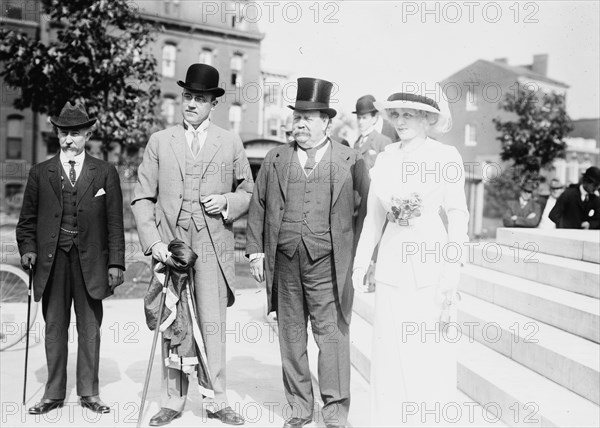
(413, 362)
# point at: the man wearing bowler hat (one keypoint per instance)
(370, 142)
(305, 217)
(71, 232)
(578, 207)
(193, 182)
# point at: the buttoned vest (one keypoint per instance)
(307, 208)
(191, 211)
(68, 221)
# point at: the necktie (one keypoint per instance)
(360, 141)
(311, 161)
(195, 144)
(72, 175)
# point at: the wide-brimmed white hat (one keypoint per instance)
(435, 103)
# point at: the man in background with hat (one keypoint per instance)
(524, 212)
(579, 206)
(193, 182)
(70, 232)
(556, 189)
(370, 142)
(304, 221)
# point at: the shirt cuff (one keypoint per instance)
(225, 212)
(153, 244)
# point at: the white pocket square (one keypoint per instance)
(100, 193)
(372, 152)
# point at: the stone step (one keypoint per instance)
(568, 360)
(364, 306)
(574, 244)
(519, 396)
(361, 338)
(571, 275)
(563, 309)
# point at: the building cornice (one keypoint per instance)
(180, 25)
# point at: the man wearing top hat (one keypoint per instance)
(71, 232)
(304, 221)
(370, 142)
(193, 182)
(578, 207)
(524, 212)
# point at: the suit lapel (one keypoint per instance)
(179, 145)
(366, 144)
(210, 148)
(54, 173)
(282, 164)
(88, 173)
(340, 169)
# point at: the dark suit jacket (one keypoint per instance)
(570, 211)
(374, 144)
(349, 199)
(99, 222)
(389, 131)
(514, 208)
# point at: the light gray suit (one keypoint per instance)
(157, 204)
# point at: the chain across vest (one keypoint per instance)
(307, 209)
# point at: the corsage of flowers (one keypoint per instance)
(403, 209)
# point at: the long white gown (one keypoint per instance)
(413, 365)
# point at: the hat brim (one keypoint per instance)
(55, 121)
(365, 111)
(218, 92)
(383, 105)
(329, 111)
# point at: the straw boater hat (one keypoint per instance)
(433, 103)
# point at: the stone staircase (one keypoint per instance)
(530, 321)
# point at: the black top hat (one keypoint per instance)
(592, 174)
(313, 94)
(365, 105)
(72, 117)
(202, 78)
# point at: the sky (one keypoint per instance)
(373, 47)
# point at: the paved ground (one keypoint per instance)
(253, 371)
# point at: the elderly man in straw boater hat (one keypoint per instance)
(184, 191)
(304, 220)
(71, 232)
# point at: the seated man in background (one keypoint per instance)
(524, 212)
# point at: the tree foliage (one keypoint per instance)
(95, 55)
(534, 138)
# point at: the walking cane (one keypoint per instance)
(27, 335)
(151, 360)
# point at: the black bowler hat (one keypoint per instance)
(365, 105)
(72, 117)
(202, 78)
(313, 95)
(592, 174)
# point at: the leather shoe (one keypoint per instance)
(296, 422)
(45, 406)
(163, 417)
(94, 404)
(227, 416)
